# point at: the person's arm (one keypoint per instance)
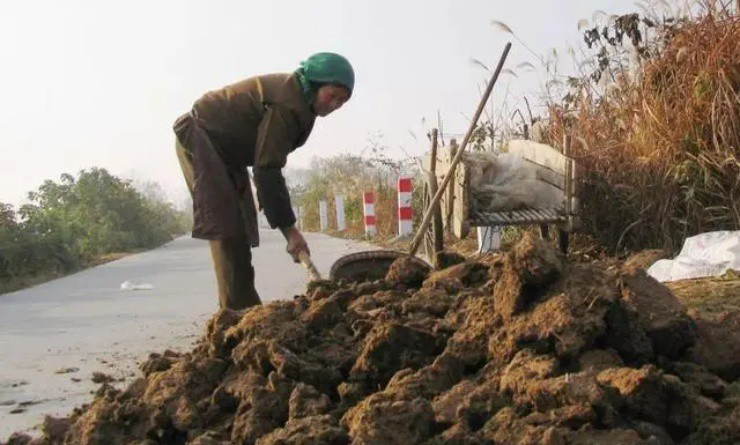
(272, 193)
(275, 139)
(296, 242)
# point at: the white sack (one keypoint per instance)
(706, 255)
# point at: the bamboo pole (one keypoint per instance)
(428, 215)
(433, 164)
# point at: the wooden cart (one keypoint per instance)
(455, 215)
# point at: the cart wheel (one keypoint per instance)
(369, 265)
(433, 238)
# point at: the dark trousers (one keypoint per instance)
(232, 259)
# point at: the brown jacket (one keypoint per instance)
(256, 122)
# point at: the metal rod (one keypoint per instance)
(428, 215)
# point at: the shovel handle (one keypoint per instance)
(421, 231)
(305, 260)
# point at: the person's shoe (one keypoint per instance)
(241, 312)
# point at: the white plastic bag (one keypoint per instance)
(706, 255)
(521, 193)
(132, 285)
(505, 181)
(489, 239)
(489, 168)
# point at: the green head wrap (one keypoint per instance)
(325, 68)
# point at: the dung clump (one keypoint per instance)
(530, 349)
(407, 271)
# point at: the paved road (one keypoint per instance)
(54, 336)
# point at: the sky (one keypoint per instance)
(98, 83)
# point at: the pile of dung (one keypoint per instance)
(519, 348)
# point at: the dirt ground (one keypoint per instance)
(524, 347)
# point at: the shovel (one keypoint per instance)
(313, 272)
(374, 264)
(361, 266)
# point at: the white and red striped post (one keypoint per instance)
(368, 204)
(405, 212)
(339, 206)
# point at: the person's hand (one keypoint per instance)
(296, 243)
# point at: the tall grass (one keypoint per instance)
(660, 152)
(653, 118)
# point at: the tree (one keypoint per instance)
(66, 223)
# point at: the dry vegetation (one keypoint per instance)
(660, 147)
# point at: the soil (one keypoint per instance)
(525, 347)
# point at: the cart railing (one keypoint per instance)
(551, 165)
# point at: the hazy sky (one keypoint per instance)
(99, 83)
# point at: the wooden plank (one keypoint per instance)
(441, 169)
(540, 154)
(454, 203)
(549, 176)
(460, 205)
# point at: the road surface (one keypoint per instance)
(55, 335)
